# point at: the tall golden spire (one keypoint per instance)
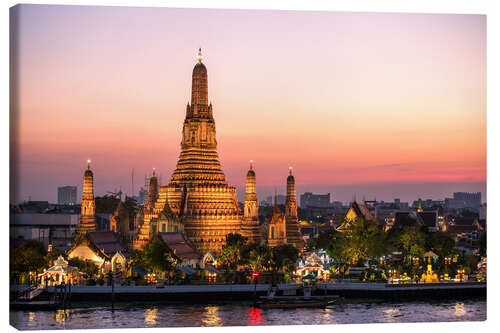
(293, 234)
(87, 217)
(198, 161)
(250, 226)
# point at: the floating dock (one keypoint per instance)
(209, 293)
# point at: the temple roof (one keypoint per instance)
(180, 245)
(428, 219)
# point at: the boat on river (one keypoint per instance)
(291, 302)
(271, 301)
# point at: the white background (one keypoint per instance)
(490, 8)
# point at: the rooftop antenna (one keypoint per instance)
(132, 182)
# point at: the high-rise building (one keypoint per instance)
(87, 218)
(309, 199)
(464, 200)
(66, 195)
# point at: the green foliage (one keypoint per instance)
(231, 254)
(408, 239)
(364, 239)
(471, 261)
(157, 257)
(257, 257)
(27, 256)
(283, 256)
(411, 242)
(323, 240)
(442, 244)
(85, 266)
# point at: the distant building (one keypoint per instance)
(35, 207)
(142, 195)
(464, 200)
(309, 199)
(280, 199)
(56, 229)
(66, 195)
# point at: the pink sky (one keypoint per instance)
(346, 98)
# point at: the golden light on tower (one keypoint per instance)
(199, 56)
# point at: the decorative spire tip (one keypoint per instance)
(88, 164)
(199, 57)
(251, 164)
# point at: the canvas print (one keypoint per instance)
(223, 167)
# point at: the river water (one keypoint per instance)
(243, 314)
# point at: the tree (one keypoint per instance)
(27, 257)
(442, 244)
(364, 239)
(157, 257)
(230, 256)
(283, 256)
(257, 257)
(410, 241)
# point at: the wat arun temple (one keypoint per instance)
(198, 201)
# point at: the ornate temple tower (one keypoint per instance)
(292, 222)
(277, 229)
(87, 218)
(198, 161)
(250, 225)
(197, 192)
(120, 221)
(152, 191)
(146, 214)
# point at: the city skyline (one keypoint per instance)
(390, 118)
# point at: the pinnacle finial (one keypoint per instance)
(88, 164)
(290, 170)
(251, 164)
(199, 57)
(154, 171)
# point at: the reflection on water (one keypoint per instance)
(150, 316)
(254, 318)
(211, 316)
(460, 309)
(243, 314)
(61, 315)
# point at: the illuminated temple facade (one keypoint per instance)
(198, 199)
(87, 217)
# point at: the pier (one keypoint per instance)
(221, 292)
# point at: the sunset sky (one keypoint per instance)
(375, 105)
